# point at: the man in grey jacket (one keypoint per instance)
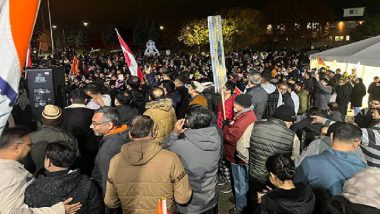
(15, 144)
(203, 142)
(258, 94)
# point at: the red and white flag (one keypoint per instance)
(17, 19)
(129, 58)
(28, 62)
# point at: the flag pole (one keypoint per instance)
(51, 30)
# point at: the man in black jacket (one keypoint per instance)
(184, 93)
(58, 182)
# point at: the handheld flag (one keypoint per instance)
(129, 58)
(74, 66)
(17, 19)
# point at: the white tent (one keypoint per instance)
(364, 56)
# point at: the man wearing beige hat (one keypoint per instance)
(49, 132)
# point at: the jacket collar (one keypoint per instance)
(122, 128)
(11, 163)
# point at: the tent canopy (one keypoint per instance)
(365, 52)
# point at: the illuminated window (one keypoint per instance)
(339, 38)
(348, 38)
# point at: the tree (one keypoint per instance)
(369, 28)
(194, 33)
(140, 33)
(153, 33)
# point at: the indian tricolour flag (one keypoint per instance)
(17, 19)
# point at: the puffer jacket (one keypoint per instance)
(141, 174)
(163, 115)
(205, 144)
(268, 138)
(51, 188)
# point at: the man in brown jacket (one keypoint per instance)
(144, 172)
(161, 111)
(195, 90)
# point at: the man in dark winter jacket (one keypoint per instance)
(58, 182)
(202, 141)
(374, 89)
(343, 91)
(106, 122)
(138, 96)
(182, 106)
(76, 121)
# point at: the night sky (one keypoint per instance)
(169, 13)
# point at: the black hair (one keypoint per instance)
(333, 106)
(314, 111)
(230, 86)
(198, 117)
(133, 82)
(281, 166)
(156, 93)
(78, 96)
(332, 128)
(182, 78)
(94, 88)
(169, 75)
(168, 85)
(347, 132)
(142, 126)
(61, 153)
(12, 136)
(124, 98)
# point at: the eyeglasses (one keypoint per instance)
(97, 124)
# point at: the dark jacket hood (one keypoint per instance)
(205, 139)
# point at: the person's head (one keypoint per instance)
(105, 120)
(168, 86)
(229, 88)
(59, 156)
(375, 112)
(180, 81)
(123, 98)
(374, 103)
(255, 79)
(283, 87)
(52, 115)
(281, 169)
(195, 88)
(324, 81)
(92, 89)
(156, 93)
(346, 137)
(168, 76)
(15, 143)
(298, 86)
(341, 81)
(333, 106)
(198, 117)
(133, 82)
(359, 81)
(142, 128)
(78, 96)
(242, 101)
(376, 79)
(286, 114)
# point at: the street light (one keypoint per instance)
(161, 27)
(54, 27)
(85, 24)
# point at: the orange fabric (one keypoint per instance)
(117, 130)
(74, 66)
(22, 18)
(321, 62)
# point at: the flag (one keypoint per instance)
(74, 66)
(17, 19)
(129, 58)
(320, 61)
(28, 62)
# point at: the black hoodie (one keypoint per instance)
(300, 200)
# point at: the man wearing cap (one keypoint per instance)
(49, 132)
(269, 138)
(236, 136)
(195, 90)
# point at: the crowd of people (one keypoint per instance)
(278, 136)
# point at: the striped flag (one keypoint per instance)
(129, 58)
(17, 19)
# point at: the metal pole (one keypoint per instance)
(51, 30)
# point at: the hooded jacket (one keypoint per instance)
(205, 144)
(163, 115)
(274, 99)
(300, 200)
(51, 188)
(110, 145)
(141, 174)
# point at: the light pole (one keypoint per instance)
(51, 30)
